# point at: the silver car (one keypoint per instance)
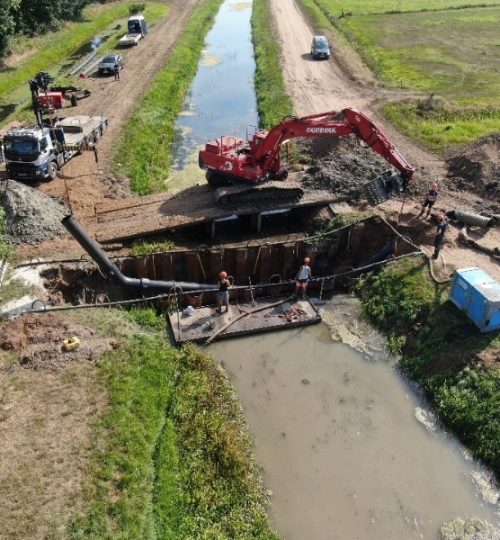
(107, 64)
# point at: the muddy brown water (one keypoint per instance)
(339, 444)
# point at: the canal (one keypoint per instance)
(221, 100)
(337, 435)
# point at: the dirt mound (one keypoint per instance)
(31, 216)
(38, 341)
(341, 166)
(476, 167)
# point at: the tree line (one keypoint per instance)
(32, 17)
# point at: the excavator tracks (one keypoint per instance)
(277, 191)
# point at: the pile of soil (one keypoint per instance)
(38, 341)
(31, 216)
(341, 166)
(476, 167)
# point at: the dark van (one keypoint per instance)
(320, 47)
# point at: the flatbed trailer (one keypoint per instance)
(130, 40)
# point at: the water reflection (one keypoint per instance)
(221, 100)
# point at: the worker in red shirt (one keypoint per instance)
(430, 199)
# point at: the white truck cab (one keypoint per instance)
(37, 153)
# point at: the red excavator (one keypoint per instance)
(229, 160)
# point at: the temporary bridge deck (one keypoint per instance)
(141, 216)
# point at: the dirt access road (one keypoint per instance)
(316, 86)
(344, 81)
(82, 182)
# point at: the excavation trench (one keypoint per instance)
(268, 267)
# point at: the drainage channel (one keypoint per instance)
(221, 100)
(339, 442)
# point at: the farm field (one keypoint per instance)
(357, 7)
(450, 52)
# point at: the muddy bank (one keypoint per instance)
(37, 340)
(476, 167)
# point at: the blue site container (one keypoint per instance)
(478, 294)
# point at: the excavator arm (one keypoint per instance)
(266, 148)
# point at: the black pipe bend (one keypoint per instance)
(111, 271)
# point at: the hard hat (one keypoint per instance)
(223, 274)
(434, 185)
(307, 260)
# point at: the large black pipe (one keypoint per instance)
(111, 271)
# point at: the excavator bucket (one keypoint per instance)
(383, 187)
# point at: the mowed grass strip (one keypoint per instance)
(60, 45)
(272, 99)
(442, 127)
(144, 153)
(359, 7)
(175, 459)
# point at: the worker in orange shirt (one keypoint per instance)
(223, 292)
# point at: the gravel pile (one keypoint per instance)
(341, 166)
(31, 216)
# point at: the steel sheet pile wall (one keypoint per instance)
(344, 249)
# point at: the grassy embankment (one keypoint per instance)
(447, 49)
(53, 51)
(458, 367)
(145, 149)
(5, 247)
(175, 459)
(272, 100)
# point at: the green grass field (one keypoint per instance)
(453, 53)
(174, 459)
(357, 7)
(447, 48)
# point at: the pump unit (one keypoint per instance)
(478, 295)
